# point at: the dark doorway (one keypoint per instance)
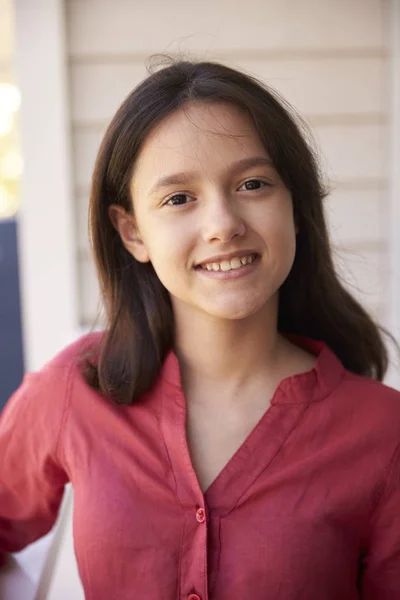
(11, 351)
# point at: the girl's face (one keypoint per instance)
(206, 199)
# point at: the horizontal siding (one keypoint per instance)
(364, 272)
(345, 207)
(353, 151)
(129, 26)
(89, 291)
(82, 205)
(316, 87)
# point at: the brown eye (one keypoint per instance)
(177, 200)
(252, 184)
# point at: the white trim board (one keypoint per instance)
(46, 224)
(46, 229)
(393, 215)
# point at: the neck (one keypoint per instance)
(228, 354)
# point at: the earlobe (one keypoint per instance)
(124, 224)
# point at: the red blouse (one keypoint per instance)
(308, 507)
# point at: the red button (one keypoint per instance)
(194, 597)
(201, 517)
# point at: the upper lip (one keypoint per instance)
(217, 258)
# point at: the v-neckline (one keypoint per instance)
(291, 399)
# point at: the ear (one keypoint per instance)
(125, 225)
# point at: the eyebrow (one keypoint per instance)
(184, 177)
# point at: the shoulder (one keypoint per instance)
(368, 410)
(366, 392)
(35, 416)
(73, 354)
(66, 364)
(50, 386)
(61, 374)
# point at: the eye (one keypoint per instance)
(252, 184)
(177, 200)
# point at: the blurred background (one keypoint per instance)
(66, 65)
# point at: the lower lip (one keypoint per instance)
(233, 273)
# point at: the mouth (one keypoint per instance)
(233, 264)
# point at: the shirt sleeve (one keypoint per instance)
(32, 477)
(381, 574)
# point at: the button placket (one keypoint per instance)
(193, 559)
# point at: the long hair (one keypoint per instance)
(139, 322)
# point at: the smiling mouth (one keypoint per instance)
(229, 265)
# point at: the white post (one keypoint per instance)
(46, 220)
(46, 225)
(393, 224)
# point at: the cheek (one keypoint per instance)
(279, 230)
(280, 240)
(169, 251)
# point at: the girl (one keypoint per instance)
(227, 435)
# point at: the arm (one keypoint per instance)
(381, 575)
(32, 476)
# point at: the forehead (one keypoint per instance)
(199, 136)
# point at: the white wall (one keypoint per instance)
(46, 219)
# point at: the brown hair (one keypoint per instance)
(139, 320)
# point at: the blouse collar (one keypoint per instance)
(311, 386)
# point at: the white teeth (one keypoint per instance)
(225, 265)
(228, 265)
(236, 263)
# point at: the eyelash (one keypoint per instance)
(264, 183)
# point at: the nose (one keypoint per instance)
(221, 221)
